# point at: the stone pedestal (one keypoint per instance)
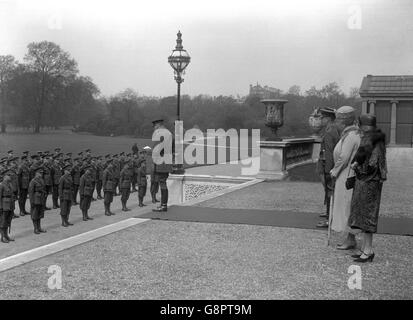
(276, 157)
(316, 148)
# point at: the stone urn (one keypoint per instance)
(315, 122)
(274, 116)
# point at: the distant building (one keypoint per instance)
(390, 98)
(265, 92)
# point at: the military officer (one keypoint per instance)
(142, 181)
(66, 194)
(76, 172)
(23, 178)
(125, 185)
(37, 192)
(108, 182)
(99, 177)
(116, 171)
(47, 177)
(56, 175)
(86, 189)
(161, 171)
(12, 166)
(329, 139)
(6, 206)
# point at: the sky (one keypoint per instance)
(125, 44)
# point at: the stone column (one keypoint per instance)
(393, 122)
(372, 104)
(364, 107)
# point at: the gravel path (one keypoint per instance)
(178, 260)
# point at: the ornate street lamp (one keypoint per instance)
(179, 60)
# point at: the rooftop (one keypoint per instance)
(393, 86)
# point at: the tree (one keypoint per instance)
(7, 66)
(294, 90)
(50, 64)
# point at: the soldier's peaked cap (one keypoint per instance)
(57, 149)
(327, 111)
(66, 166)
(35, 156)
(10, 151)
(107, 156)
(157, 121)
(25, 152)
(87, 150)
(38, 169)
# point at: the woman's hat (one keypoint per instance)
(368, 120)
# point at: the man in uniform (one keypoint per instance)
(99, 176)
(10, 154)
(6, 206)
(108, 183)
(12, 166)
(86, 189)
(66, 194)
(116, 172)
(23, 178)
(161, 171)
(47, 177)
(329, 139)
(56, 175)
(36, 163)
(142, 179)
(76, 173)
(125, 182)
(37, 192)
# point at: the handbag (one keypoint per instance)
(351, 181)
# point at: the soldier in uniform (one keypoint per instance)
(6, 206)
(36, 163)
(108, 182)
(116, 172)
(56, 175)
(125, 182)
(66, 195)
(23, 178)
(329, 139)
(37, 192)
(76, 173)
(142, 180)
(99, 177)
(47, 177)
(161, 171)
(86, 189)
(14, 181)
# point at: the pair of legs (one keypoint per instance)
(107, 200)
(154, 188)
(65, 206)
(162, 178)
(55, 196)
(37, 213)
(125, 193)
(99, 189)
(5, 222)
(75, 191)
(141, 193)
(85, 201)
(22, 201)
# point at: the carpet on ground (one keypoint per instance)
(288, 219)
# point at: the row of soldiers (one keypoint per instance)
(64, 177)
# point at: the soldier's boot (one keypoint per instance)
(107, 213)
(87, 216)
(154, 200)
(164, 201)
(15, 216)
(141, 202)
(3, 237)
(111, 213)
(64, 224)
(39, 227)
(67, 220)
(36, 228)
(84, 215)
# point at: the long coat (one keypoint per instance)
(343, 154)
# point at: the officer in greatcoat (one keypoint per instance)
(23, 179)
(66, 195)
(86, 189)
(109, 183)
(6, 206)
(37, 192)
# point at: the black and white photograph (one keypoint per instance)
(206, 155)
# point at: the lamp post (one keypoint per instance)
(179, 60)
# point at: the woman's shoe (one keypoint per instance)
(369, 258)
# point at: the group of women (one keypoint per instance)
(359, 172)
